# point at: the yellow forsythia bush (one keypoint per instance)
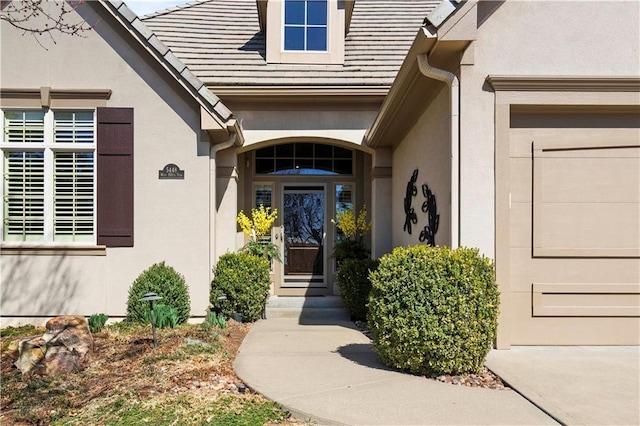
(351, 226)
(260, 223)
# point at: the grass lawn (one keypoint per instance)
(188, 380)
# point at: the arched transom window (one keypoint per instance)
(304, 159)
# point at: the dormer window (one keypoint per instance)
(305, 25)
(304, 31)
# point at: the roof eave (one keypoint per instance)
(277, 94)
(440, 25)
(400, 89)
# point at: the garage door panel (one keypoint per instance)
(520, 179)
(587, 202)
(520, 147)
(578, 179)
(586, 300)
(520, 235)
(587, 230)
(524, 270)
(568, 138)
(530, 330)
(573, 227)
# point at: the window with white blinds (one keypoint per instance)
(24, 126)
(48, 174)
(73, 196)
(23, 196)
(73, 127)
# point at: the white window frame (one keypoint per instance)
(305, 26)
(335, 212)
(254, 189)
(49, 147)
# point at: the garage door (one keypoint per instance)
(574, 229)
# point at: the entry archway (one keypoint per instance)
(308, 182)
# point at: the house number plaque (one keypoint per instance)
(171, 171)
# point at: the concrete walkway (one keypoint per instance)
(326, 371)
(592, 385)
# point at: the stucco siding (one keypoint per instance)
(561, 38)
(426, 148)
(477, 179)
(50, 285)
(171, 217)
(293, 122)
(529, 38)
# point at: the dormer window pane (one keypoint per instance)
(305, 25)
(294, 38)
(317, 39)
(317, 13)
(294, 12)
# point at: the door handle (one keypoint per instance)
(278, 235)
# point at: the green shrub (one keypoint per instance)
(433, 310)
(166, 283)
(97, 321)
(264, 248)
(244, 280)
(350, 249)
(355, 287)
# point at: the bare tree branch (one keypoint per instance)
(42, 17)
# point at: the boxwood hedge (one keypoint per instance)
(355, 287)
(167, 283)
(244, 279)
(433, 310)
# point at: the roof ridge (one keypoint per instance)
(173, 9)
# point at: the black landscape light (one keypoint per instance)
(221, 299)
(152, 297)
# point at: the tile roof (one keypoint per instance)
(221, 43)
(166, 57)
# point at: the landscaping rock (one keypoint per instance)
(31, 353)
(69, 344)
(64, 348)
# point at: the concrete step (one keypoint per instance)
(305, 302)
(321, 307)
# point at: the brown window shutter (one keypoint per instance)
(115, 177)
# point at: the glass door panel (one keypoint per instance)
(304, 234)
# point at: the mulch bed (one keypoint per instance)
(484, 379)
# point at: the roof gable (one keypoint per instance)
(170, 62)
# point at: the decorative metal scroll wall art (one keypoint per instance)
(410, 213)
(428, 233)
(429, 206)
